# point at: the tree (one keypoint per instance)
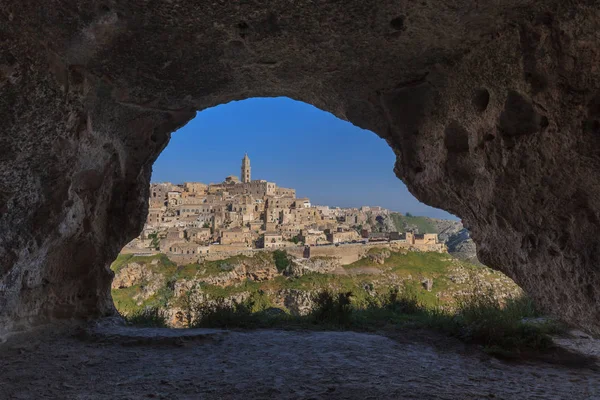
(155, 242)
(206, 225)
(282, 260)
(409, 215)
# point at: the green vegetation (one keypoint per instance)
(358, 300)
(409, 268)
(121, 261)
(155, 243)
(502, 330)
(402, 222)
(148, 317)
(282, 260)
(124, 299)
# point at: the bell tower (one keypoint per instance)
(245, 169)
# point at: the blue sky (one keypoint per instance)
(294, 145)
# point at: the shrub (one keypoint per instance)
(502, 329)
(150, 317)
(404, 303)
(155, 242)
(282, 260)
(332, 308)
(223, 314)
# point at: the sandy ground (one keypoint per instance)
(114, 362)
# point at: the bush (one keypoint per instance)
(223, 314)
(155, 242)
(151, 317)
(282, 260)
(502, 329)
(404, 303)
(500, 326)
(332, 308)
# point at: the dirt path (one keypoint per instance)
(270, 364)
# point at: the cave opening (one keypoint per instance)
(309, 186)
(494, 123)
(491, 110)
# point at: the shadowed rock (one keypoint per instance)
(491, 109)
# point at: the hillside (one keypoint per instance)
(274, 280)
(452, 233)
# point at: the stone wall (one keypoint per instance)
(349, 253)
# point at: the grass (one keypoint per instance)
(503, 328)
(282, 260)
(401, 222)
(124, 299)
(148, 318)
(343, 302)
(406, 268)
(121, 261)
(411, 262)
(479, 319)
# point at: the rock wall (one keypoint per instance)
(492, 109)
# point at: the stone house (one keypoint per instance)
(155, 215)
(255, 226)
(289, 231)
(195, 187)
(198, 235)
(302, 203)
(187, 248)
(273, 240)
(285, 192)
(313, 237)
(237, 235)
(342, 236)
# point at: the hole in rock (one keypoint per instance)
(481, 99)
(269, 211)
(398, 23)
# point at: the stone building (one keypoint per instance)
(313, 237)
(246, 169)
(198, 235)
(237, 235)
(273, 240)
(239, 212)
(343, 236)
(195, 187)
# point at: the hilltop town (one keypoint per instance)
(194, 221)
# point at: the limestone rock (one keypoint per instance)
(132, 274)
(492, 110)
(298, 302)
(321, 265)
(380, 256)
(427, 284)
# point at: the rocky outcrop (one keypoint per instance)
(139, 274)
(462, 246)
(321, 265)
(379, 256)
(492, 110)
(240, 271)
(298, 302)
(130, 275)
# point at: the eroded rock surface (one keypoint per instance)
(492, 108)
(211, 364)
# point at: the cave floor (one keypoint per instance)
(178, 364)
